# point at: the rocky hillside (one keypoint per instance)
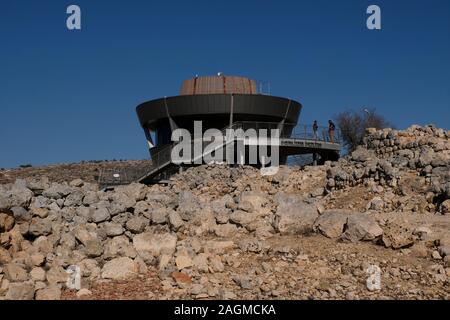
(217, 232)
(87, 171)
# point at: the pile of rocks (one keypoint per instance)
(46, 228)
(389, 155)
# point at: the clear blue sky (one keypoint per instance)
(67, 96)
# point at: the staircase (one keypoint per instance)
(162, 159)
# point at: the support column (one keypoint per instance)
(173, 125)
(231, 110)
(150, 142)
(281, 123)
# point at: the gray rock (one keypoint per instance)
(216, 264)
(89, 268)
(37, 185)
(68, 240)
(40, 202)
(318, 192)
(113, 229)
(222, 217)
(40, 227)
(52, 292)
(175, 221)
(17, 196)
(426, 156)
(251, 245)
(5, 201)
(200, 262)
(57, 191)
(293, 216)
(68, 213)
(197, 288)
(331, 223)
(121, 218)
(245, 205)
(137, 224)
(20, 291)
(90, 198)
(142, 207)
(242, 218)
(244, 282)
(387, 168)
(84, 212)
(119, 247)
(21, 214)
(155, 244)
(100, 215)
(444, 251)
(397, 234)
(57, 275)
(159, 216)
(122, 201)
(77, 183)
(93, 248)
(120, 269)
(162, 198)
(5, 257)
(188, 205)
(183, 261)
(83, 235)
(15, 272)
(6, 222)
(435, 255)
(38, 274)
(252, 200)
(362, 154)
(225, 230)
(219, 206)
(74, 199)
(376, 204)
(445, 207)
(361, 227)
(337, 174)
(39, 212)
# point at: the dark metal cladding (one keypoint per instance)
(245, 107)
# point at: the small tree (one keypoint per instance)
(353, 125)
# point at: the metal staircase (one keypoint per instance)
(162, 159)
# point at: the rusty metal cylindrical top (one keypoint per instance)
(219, 84)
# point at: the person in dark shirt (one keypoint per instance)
(315, 128)
(331, 128)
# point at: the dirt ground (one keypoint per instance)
(303, 267)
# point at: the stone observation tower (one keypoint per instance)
(222, 102)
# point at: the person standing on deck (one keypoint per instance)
(315, 128)
(331, 128)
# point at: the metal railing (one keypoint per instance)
(296, 131)
(163, 157)
(113, 177)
